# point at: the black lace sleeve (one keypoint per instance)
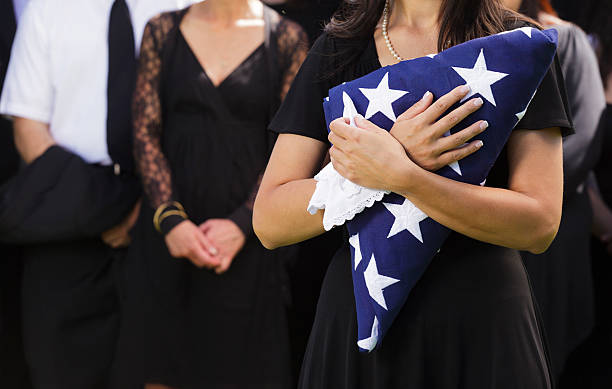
(292, 43)
(147, 117)
(293, 48)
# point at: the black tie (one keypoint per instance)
(121, 80)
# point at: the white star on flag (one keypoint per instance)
(354, 242)
(480, 79)
(407, 217)
(370, 343)
(349, 110)
(524, 30)
(520, 115)
(381, 98)
(376, 282)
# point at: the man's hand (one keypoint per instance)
(119, 235)
(227, 237)
(32, 138)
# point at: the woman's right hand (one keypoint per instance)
(421, 129)
(186, 240)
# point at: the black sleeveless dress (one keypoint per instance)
(470, 322)
(182, 326)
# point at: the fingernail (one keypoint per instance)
(465, 89)
(426, 95)
(213, 251)
(479, 144)
(484, 124)
(478, 102)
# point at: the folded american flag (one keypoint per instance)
(392, 242)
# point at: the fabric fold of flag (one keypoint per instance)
(392, 241)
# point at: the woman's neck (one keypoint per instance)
(417, 14)
(225, 12)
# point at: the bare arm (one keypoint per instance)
(32, 138)
(279, 216)
(526, 216)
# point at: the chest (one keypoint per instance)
(407, 44)
(221, 51)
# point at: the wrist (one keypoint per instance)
(403, 176)
(168, 215)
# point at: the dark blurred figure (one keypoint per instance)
(561, 277)
(306, 274)
(12, 365)
(591, 365)
(311, 14)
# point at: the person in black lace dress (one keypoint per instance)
(204, 306)
(470, 322)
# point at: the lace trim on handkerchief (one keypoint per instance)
(341, 198)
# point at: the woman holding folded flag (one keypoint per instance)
(470, 320)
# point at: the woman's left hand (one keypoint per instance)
(227, 237)
(367, 155)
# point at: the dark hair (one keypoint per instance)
(460, 20)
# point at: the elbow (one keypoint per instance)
(265, 239)
(262, 230)
(541, 238)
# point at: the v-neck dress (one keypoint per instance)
(470, 322)
(182, 326)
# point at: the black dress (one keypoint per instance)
(470, 322)
(206, 147)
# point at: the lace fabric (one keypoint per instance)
(151, 162)
(341, 198)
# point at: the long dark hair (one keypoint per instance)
(460, 20)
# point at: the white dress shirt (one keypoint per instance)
(59, 64)
(18, 6)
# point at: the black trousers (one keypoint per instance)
(70, 307)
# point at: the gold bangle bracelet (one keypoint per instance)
(173, 212)
(161, 211)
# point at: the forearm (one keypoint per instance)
(32, 138)
(280, 216)
(498, 216)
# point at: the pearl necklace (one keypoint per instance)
(385, 33)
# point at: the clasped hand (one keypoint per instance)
(372, 157)
(212, 245)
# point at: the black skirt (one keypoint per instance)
(470, 322)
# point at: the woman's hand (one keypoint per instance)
(422, 134)
(227, 237)
(187, 241)
(367, 155)
(119, 235)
